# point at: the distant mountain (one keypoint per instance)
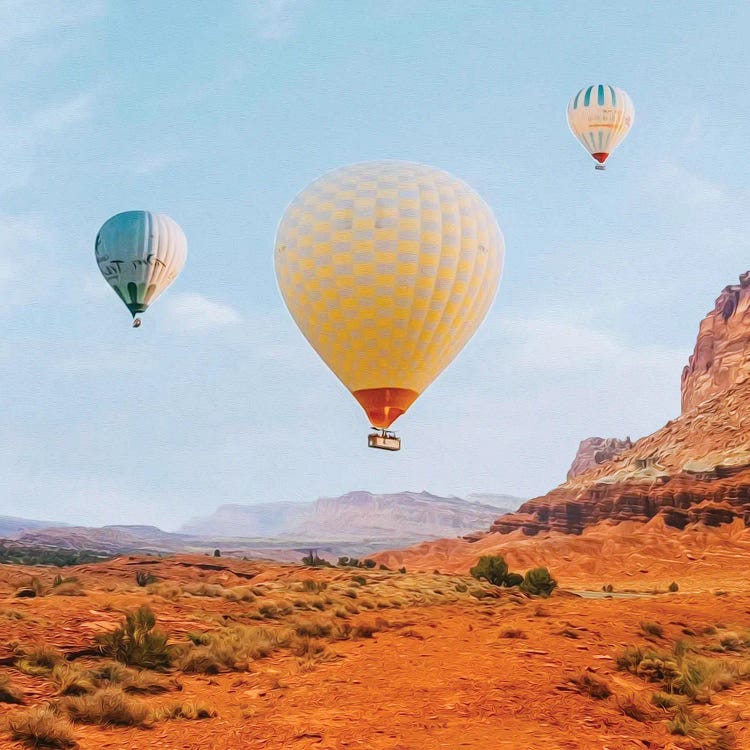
(11, 526)
(356, 516)
(260, 520)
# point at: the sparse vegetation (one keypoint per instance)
(137, 643)
(191, 710)
(590, 684)
(538, 582)
(673, 587)
(42, 726)
(653, 628)
(312, 560)
(107, 706)
(144, 578)
(491, 568)
(40, 660)
(9, 693)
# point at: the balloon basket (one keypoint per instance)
(136, 323)
(384, 440)
(599, 167)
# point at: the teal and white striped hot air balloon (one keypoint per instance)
(140, 254)
(600, 116)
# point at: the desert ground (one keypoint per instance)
(265, 655)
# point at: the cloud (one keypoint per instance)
(274, 19)
(191, 312)
(60, 116)
(555, 345)
(24, 270)
(24, 20)
(155, 163)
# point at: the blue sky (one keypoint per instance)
(217, 114)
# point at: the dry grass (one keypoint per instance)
(589, 684)
(191, 710)
(9, 693)
(71, 679)
(42, 727)
(109, 706)
(39, 661)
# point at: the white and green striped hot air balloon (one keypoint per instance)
(600, 116)
(140, 254)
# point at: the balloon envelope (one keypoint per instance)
(140, 254)
(388, 268)
(600, 117)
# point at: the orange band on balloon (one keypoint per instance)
(385, 405)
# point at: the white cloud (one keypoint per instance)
(24, 20)
(274, 19)
(191, 312)
(60, 116)
(155, 163)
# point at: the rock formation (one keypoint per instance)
(722, 352)
(595, 450)
(695, 468)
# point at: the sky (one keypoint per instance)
(219, 113)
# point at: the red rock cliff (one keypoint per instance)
(695, 468)
(594, 451)
(722, 352)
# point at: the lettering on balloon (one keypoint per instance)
(111, 269)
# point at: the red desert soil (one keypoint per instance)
(439, 670)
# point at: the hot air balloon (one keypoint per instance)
(140, 254)
(388, 268)
(600, 117)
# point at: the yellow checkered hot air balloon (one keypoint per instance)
(388, 268)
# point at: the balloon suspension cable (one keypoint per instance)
(136, 322)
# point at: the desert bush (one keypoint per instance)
(667, 701)
(137, 643)
(633, 707)
(217, 553)
(312, 560)
(491, 568)
(188, 710)
(316, 628)
(608, 588)
(166, 589)
(402, 570)
(70, 679)
(9, 693)
(144, 578)
(204, 589)
(653, 628)
(40, 660)
(239, 594)
(538, 582)
(130, 680)
(368, 563)
(512, 633)
(312, 586)
(233, 648)
(513, 579)
(673, 587)
(359, 580)
(42, 727)
(201, 660)
(589, 684)
(107, 706)
(709, 737)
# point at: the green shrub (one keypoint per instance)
(538, 582)
(491, 568)
(513, 579)
(137, 642)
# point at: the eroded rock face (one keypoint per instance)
(694, 469)
(595, 450)
(722, 351)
